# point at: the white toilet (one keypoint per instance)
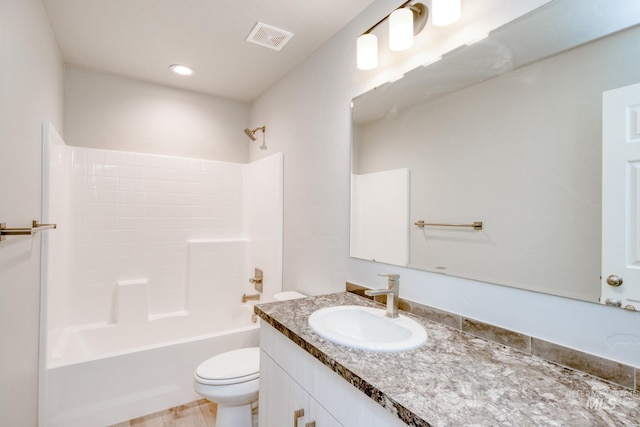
(287, 295)
(231, 380)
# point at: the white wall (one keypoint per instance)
(308, 118)
(117, 113)
(31, 91)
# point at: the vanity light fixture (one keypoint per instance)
(405, 22)
(401, 29)
(182, 70)
(367, 52)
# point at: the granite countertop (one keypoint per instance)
(456, 379)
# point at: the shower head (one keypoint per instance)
(250, 133)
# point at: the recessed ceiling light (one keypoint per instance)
(183, 70)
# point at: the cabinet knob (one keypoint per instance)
(296, 416)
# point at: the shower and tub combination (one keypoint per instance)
(144, 276)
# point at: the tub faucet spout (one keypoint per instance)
(392, 292)
(254, 297)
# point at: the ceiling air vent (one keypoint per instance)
(269, 36)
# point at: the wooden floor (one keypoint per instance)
(201, 413)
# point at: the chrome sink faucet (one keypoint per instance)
(392, 292)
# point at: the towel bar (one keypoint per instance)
(477, 225)
(35, 228)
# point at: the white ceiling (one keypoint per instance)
(141, 38)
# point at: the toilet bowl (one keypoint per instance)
(231, 380)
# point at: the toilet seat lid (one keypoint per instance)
(231, 367)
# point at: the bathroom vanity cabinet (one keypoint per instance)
(453, 379)
(291, 379)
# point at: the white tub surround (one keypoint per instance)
(131, 216)
(143, 237)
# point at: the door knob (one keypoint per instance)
(614, 280)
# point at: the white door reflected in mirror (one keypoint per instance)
(620, 197)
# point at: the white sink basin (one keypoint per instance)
(367, 328)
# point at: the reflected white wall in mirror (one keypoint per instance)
(494, 133)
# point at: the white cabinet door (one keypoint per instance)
(621, 196)
(280, 396)
(284, 403)
(321, 416)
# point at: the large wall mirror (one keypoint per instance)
(507, 132)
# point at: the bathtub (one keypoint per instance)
(95, 377)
